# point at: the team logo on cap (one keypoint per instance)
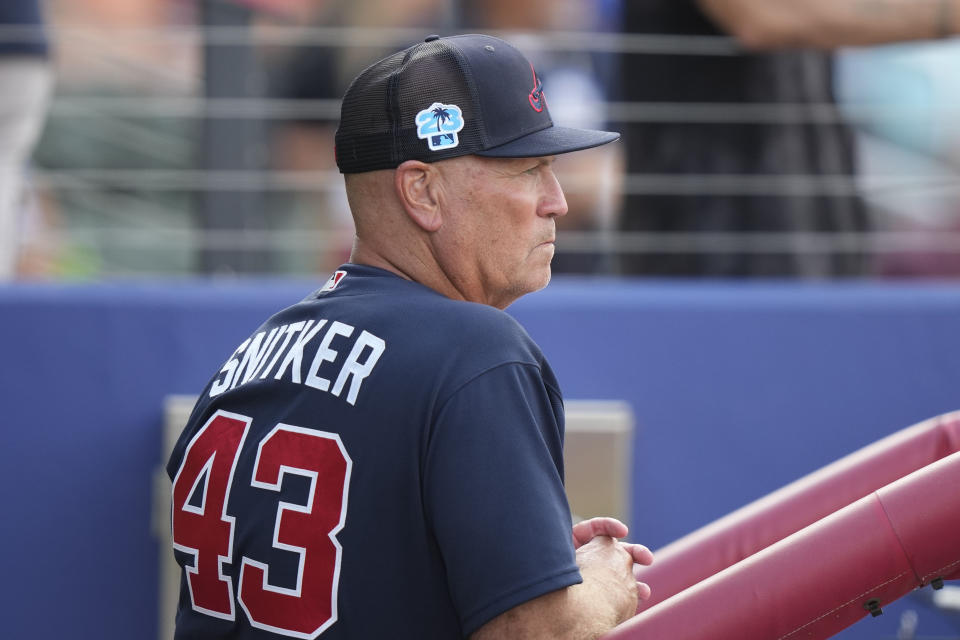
(537, 100)
(438, 124)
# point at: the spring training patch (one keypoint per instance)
(439, 124)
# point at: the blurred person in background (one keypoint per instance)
(316, 72)
(25, 81)
(119, 67)
(909, 152)
(787, 60)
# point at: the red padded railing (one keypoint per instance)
(827, 576)
(746, 531)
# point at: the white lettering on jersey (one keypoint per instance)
(295, 355)
(250, 360)
(356, 369)
(219, 386)
(252, 357)
(326, 354)
(276, 333)
(288, 331)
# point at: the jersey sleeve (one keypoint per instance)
(494, 495)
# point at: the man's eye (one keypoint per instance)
(532, 170)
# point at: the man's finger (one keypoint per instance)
(643, 590)
(585, 531)
(640, 554)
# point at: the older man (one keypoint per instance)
(385, 458)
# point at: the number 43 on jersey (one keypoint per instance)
(202, 528)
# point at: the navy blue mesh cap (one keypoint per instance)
(449, 97)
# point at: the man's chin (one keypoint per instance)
(530, 285)
(545, 275)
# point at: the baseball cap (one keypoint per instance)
(448, 97)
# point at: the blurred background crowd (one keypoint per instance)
(195, 137)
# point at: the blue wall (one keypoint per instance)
(737, 389)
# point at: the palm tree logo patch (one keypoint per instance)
(438, 124)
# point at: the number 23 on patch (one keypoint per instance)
(438, 124)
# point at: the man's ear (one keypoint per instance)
(417, 186)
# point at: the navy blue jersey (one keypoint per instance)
(376, 461)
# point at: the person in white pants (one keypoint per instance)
(25, 83)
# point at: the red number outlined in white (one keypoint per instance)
(255, 592)
(321, 453)
(224, 425)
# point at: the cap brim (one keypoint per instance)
(550, 142)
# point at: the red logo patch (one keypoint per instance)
(537, 100)
(333, 281)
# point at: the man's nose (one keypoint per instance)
(553, 203)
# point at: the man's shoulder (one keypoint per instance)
(403, 302)
(478, 325)
(414, 323)
(473, 316)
